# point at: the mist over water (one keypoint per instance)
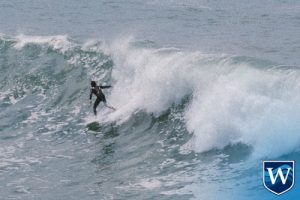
(204, 92)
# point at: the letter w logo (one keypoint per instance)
(279, 172)
(278, 176)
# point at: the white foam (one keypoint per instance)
(247, 105)
(231, 102)
(59, 42)
(150, 183)
(149, 79)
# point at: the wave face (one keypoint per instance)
(175, 109)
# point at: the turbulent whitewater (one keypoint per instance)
(184, 119)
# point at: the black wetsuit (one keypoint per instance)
(99, 94)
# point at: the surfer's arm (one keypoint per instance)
(104, 87)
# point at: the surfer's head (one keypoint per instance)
(93, 83)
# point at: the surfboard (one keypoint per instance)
(94, 126)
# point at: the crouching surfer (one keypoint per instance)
(96, 90)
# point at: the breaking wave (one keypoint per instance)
(216, 100)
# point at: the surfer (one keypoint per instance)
(96, 90)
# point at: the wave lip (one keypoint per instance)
(58, 42)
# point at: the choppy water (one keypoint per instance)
(205, 91)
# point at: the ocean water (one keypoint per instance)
(205, 91)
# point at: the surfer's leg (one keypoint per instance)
(109, 106)
(104, 101)
(95, 105)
